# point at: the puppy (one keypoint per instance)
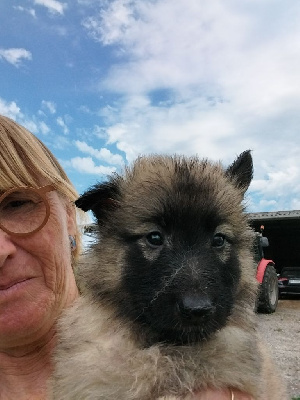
(168, 292)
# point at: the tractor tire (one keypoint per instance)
(268, 294)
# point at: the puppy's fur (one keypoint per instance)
(169, 290)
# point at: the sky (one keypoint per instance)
(103, 82)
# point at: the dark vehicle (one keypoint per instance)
(281, 257)
(289, 281)
(266, 275)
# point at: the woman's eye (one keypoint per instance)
(17, 203)
(218, 240)
(155, 239)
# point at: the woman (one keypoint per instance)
(39, 244)
(36, 276)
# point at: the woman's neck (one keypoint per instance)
(24, 371)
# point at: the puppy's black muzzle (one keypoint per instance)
(195, 308)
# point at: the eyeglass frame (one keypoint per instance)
(41, 191)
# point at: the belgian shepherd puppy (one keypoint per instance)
(169, 290)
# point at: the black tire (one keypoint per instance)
(268, 294)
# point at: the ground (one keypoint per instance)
(282, 331)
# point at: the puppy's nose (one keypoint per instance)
(194, 306)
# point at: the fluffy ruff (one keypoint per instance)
(168, 292)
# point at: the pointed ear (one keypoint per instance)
(100, 198)
(241, 171)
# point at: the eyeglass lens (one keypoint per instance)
(22, 211)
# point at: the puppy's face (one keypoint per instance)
(180, 229)
(181, 275)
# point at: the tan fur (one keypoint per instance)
(100, 356)
(107, 357)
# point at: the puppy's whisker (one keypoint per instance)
(162, 290)
(166, 284)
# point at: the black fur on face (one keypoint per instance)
(176, 233)
(181, 281)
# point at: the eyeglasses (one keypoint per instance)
(24, 210)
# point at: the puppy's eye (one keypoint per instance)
(155, 239)
(218, 240)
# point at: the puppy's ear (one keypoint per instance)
(100, 198)
(241, 171)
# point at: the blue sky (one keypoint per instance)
(101, 82)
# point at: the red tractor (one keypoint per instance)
(266, 275)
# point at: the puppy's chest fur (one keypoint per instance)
(106, 363)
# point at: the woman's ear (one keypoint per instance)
(71, 219)
(74, 232)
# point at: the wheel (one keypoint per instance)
(268, 294)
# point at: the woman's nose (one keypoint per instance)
(7, 247)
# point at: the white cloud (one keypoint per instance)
(53, 6)
(49, 106)
(63, 125)
(279, 180)
(10, 109)
(15, 56)
(35, 126)
(214, 78)
(61, 143)
(189, 128)
(85, 109)
(13, 111)
(100, 131)
(295, 204)
(30, 124)
(87, 2)
(115, 21)
(30, 11)
(44, 128)
(87, 165)
(211, 48)
(102, 154)
(282, 182)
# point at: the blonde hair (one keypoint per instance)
(26, 161)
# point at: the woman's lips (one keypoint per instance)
(9, 285)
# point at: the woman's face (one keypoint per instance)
(36, 278)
